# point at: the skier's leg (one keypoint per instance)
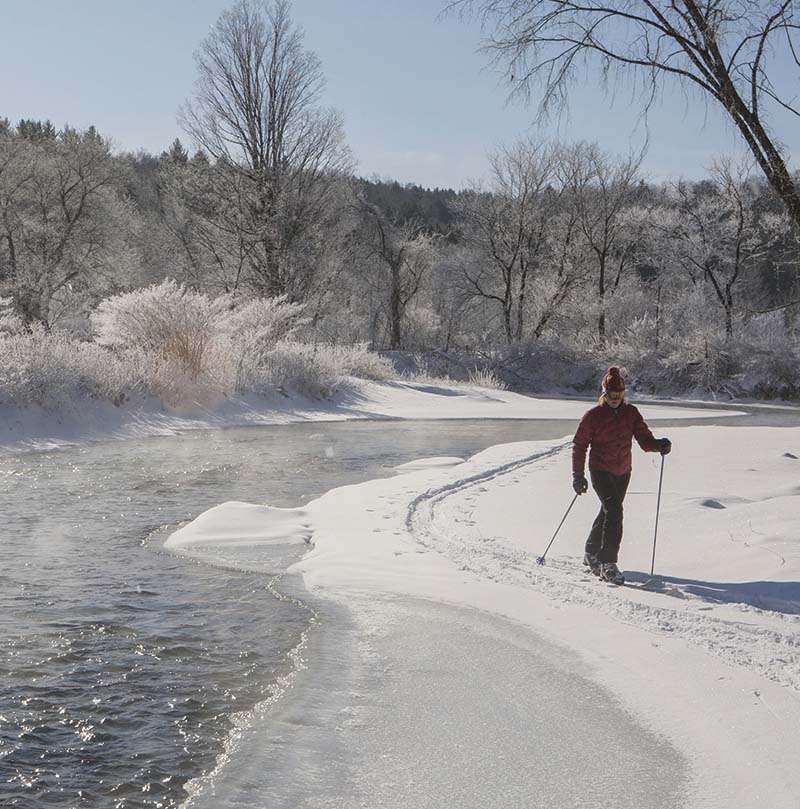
(617, 486)
(604, 490)
(595, 539)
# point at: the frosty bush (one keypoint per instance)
(54, 369)
(487, 378)
(306, 370)
(263, 322)
(357, 360)
(316, 372)
(250, 332)
(549, 363)
(636, 350)
(703, 361)
(180, 330)
(165, 319)
(771, 357)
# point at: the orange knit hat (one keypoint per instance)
(613, 380)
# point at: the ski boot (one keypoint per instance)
(591, 561)
(610, 572)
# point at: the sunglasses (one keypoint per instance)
(615, 395)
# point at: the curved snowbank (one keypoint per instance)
(236, 523)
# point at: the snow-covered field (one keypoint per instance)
(498, 682)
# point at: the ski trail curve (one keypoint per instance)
(768, 645)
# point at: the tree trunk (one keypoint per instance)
(761, 146)
(395, 310)
(521, 303)
(601, 321)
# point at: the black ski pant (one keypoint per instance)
(606, 533)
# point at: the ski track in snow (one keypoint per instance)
(768, 644)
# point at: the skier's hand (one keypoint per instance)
(664, 446)
(579, 483)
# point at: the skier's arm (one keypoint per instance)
(643, 436)
(580, 443)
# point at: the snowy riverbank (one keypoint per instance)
(35, 427)
(710, 665)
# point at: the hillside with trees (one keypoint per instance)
(565, 259)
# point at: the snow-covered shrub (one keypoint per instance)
(636, 349)
(165, 319)
(357, 360)
(10, 321)
(250, 332)
(547, 364)
(486, 378)
(299, 368)
(258, 325)
(703, 361)
(315, 372)
(770, 357)
(422, 328)
(180, 330)
(204, 348)
(54, 369)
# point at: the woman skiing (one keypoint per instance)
(609, 428)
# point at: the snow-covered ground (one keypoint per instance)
(483, 679)
(41, 428)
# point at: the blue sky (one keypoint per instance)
(420, 104)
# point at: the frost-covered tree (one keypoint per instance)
(205, 224)
(721, 234)
(604, 189)
(507, 223)
(64, 227)
(276, 155)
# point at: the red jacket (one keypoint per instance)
(610, 432)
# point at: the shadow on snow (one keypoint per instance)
(775, 596)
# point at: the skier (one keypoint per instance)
(609, 428)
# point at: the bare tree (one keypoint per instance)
(603, 190)
(205, 217)
(277, 155)
(507, 223)
(722, 48)
(567, 258)
(720, 236)
(403, 253)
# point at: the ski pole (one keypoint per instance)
(658, 506)
(540, 559)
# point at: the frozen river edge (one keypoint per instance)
(409, 702)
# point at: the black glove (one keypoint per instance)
(579, 483)
(664, 445)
